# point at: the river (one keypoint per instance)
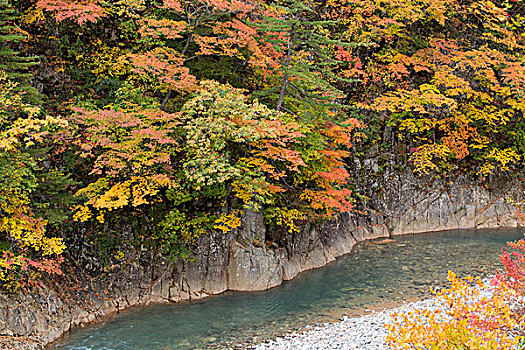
(373, 275)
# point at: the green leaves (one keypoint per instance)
(307, 57)
(30, 251)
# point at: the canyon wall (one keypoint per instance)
(254, 259)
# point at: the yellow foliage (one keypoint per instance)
(288, 218)
(31, 251)
(499, 158)
(116, 197)
(81, 213)
(465, 319)
(425, 156)
(103, 197)
(23, 131)
(228, 222)
(27, 231)
(119, 255)
(33, 15)
(415, 125)
(106, 62)
(241, 191)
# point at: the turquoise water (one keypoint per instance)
(375, 274)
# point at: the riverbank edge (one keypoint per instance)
(37, 320)
(367, 331)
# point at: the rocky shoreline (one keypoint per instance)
(253, 258)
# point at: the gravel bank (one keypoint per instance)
(364, 333)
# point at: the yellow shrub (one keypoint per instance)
(463, 319)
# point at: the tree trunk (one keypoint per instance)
(168, 95)
(287, 75)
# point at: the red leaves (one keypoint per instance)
(341, 134)
(331, 195)
(336, 175)
(290, 156)
(514, 75)
(122, 139)
(167, 66)
(454, 96)
(330, 202)
(513, 259)
(78, 11)
(173, 4)
(345, 55)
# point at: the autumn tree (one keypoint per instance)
(25, 251)
(454, 95)
(183, 114)
(462, 318)
(203, 166)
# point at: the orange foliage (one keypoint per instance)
(453, 95)
(463, 319)
(166, 66)
(79, 11)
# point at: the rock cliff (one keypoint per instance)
(252, 258)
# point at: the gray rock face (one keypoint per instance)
(241, 261)
(253, 268)
(410, 207)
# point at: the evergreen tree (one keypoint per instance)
(16, 66)
(308, 52)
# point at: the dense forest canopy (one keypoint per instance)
(171, 118)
